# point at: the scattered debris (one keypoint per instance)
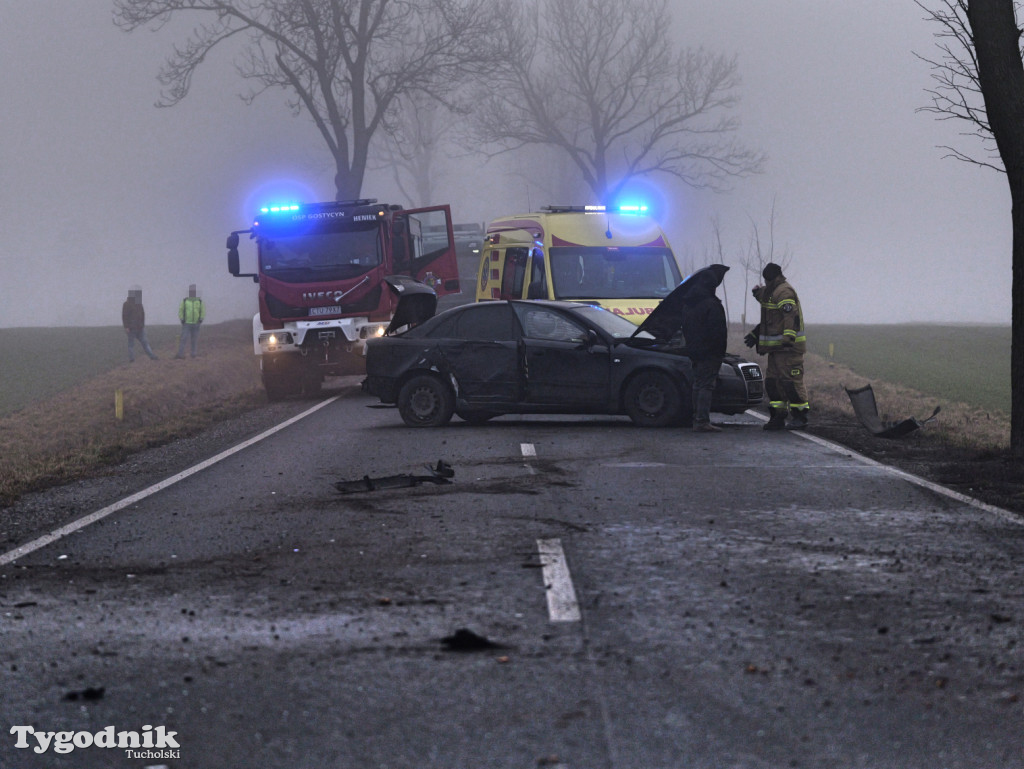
(441, 473)
(864, 406)
(88, 694)
(463, 640)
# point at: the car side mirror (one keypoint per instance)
(591, 341)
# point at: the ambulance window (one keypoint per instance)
(514, 273)
(486, 323)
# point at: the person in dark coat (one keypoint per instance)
(706, 331)
(133, 318)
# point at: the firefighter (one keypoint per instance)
(780, 336)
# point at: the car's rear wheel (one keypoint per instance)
(426, 401)
(652, 399)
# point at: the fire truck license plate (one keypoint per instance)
(322, 310)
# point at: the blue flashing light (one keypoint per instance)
(278, 209)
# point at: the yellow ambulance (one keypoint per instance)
(617, 258)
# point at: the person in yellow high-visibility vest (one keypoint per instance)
(191, 313)
(780, 335)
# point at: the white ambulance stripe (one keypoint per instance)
(562, 605)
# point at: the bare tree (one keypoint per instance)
(601, 81)
(981, 81)
(413, 148)
(344, 62)
(956, 94)
(760, 251)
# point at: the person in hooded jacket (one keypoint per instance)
(133, 318)
(705, 330)
(780, 336)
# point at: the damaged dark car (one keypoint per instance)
(479, 361)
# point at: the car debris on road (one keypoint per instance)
(441, 473)
(866, 409)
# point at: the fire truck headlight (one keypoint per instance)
(372, 331)
(272, 340)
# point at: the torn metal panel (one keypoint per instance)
(486, 372)
(442, 473)
(866, 409)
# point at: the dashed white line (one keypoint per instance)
(528, 449)
(562, 604)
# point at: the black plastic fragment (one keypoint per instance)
(439, 474)
(89, 694)
(465, 640)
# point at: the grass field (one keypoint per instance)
(61, 422)
(36, 363)
(968, 364)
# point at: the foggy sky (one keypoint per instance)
(104, 192)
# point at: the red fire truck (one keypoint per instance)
(330, 276)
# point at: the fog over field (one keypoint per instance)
(103, 191)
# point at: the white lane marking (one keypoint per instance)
(1006, 515)
(562, 605)
(529, 451)
(81, 523)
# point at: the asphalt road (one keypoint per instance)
(636, 599)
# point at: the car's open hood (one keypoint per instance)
(665, 319)
(417, 301)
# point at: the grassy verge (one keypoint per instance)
(959, 425)
(42, 362)
(76, 431)
(958, 363)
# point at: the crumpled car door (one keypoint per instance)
(562, 364)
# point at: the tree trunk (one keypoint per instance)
(1001, 77)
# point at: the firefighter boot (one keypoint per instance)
(777, 420)
(797, 419)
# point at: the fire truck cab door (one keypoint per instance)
(423, 247)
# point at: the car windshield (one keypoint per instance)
(318, 256)
(608, 272)
(617, 326)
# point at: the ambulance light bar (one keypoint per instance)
(632, 208)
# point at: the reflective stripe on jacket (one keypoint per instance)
(191, 310)
(782, 320)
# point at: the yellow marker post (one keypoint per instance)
(118, 405)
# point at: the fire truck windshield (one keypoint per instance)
(313, 257)
(607, 272)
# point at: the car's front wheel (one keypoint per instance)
(426, 401)
(652, 399)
